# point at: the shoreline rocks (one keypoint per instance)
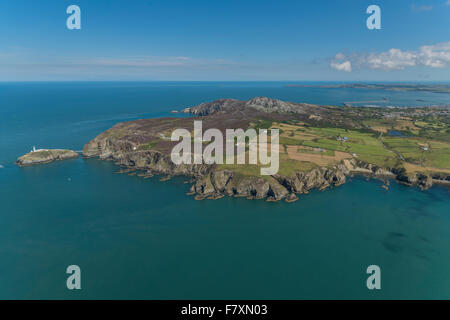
(291, 198)
(210, 182)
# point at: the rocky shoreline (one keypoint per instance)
(209, 182)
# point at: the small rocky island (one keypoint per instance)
(39, 156)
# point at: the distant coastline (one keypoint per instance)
(435, 88)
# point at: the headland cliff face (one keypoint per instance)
(211, 182)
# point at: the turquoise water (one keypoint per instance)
(142, 238)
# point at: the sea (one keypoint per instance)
(136, 238)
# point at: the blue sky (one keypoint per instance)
(225, 40)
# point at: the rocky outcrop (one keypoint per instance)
(276, 191)
(225, 183)
(273, 188)
(422, 180)
(208, 108)
(274, 105)
(318, 178)
(45, 156)
(150, 160)
(263, 104)
(291, 198)
(253, 187)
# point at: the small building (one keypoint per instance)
(343, 139)
(37, 150)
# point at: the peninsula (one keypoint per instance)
(320, 146)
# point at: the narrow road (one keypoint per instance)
(387, 148)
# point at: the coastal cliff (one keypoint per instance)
(211, 182)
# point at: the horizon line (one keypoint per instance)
(242, 81)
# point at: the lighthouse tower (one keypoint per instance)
(34, 149)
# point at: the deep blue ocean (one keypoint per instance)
(136, 238)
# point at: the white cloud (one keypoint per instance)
(393, 59)
(437, 56)
(434, 56)
(344, 66)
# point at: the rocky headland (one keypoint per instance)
(145, 145)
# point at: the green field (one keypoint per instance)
(365, 145)
(437, 155)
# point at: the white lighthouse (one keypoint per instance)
(34, 149)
